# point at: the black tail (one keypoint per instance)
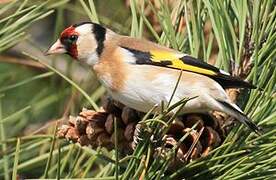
(231, 110)
(232, 82)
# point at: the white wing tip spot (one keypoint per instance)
(224, 72)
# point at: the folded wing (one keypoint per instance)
(187, 63)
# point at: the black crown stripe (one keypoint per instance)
(99, 33)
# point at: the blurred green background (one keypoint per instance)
(33, 98)
(48, 96)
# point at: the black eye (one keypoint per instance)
(72, 38)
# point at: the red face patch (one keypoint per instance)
(67, 32)
(69, 38)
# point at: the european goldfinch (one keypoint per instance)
(142, 74)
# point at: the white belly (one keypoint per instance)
(142, 92)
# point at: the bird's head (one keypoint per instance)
(84, 41)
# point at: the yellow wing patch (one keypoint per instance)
(179, 64)
(164, 55)
(176, 62)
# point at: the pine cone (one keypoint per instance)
(97, 129)
(207, 135)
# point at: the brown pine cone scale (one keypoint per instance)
(97, 129)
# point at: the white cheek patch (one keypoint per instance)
(87, 45)
(84, 29)
(92, 59)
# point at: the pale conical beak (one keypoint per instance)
(56, 48)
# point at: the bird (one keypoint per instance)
(142, 74)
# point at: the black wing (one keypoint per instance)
(187, 63)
